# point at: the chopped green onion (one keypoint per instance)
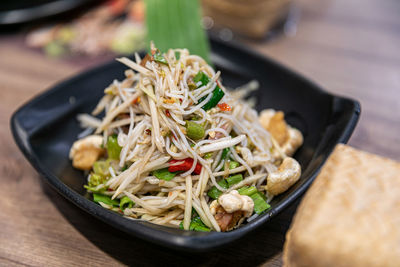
(124, 168)
(260, 204)
(233, 164)
(105, 199)
(225, 152)
(164, 174)
(101, 167)
(214, 192)
(201, 77)
(217, 93)
(247, 190)
(208, 155)
(159, 57)
(194, 130)
(191, 86)
(125, 203)
(196, 224)
(199, 228)
(113, 149)
(94, 190)
(234, 179)
(95, 180)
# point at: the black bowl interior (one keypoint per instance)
(46, 127)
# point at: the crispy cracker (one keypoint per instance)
(350, 216)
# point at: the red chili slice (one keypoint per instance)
(184, 166)
(136, 100)
(224, 107)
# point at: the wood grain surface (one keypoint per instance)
(349, 47)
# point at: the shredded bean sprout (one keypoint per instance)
(173, 140)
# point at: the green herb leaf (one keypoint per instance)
(164, 174)
(233, 164)
(101, 168)
(260, 204)
(125, 203)
(214, 192)
(94, 190)
(159, 57)
(105, 199)
(196, 224)
(113, 149)
(217, 93)
(95, 180)
(234, 179)
(225, 153)
(247, 190)
(201, 77)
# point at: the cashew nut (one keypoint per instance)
(288, 138)
(232, 202)
(294, 141)
(265, 117)
(86, 151)
(287, 174)
(276, 125)
(230, 209)
(214, 206)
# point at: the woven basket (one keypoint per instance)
(252, 18)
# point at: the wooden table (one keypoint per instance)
(350, 47)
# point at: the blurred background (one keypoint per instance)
(87, 29)
(349, 47)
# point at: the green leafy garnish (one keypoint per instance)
(95, 180)
(105, 199)
(214, 192)
(217, 93)
(196, 224)
(208, 155)
(260, 204)
(225, 153)
(94, 190)
(126, 203)
(159, 57)
(201, 77)
(234, 179)
(101, 168)
(247, 190)
(233, 164)
(164, 174)
(113, 149)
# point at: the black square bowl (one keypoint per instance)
(45, 128)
